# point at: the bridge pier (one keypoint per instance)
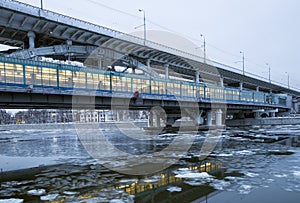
(209, 117)
(219, 117)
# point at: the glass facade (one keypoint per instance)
(26, 72)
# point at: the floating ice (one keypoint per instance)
(245, 152)
(129, 181)
(37, 192)
(49, 197)
(224, 155)
(245, 189)
(252, 175)
(297, 174)
(174, 189)
(150, 180)
(196, 182)
(70, 193)
(280, 175)
(12, 200)
(219, 184)
(193, 175)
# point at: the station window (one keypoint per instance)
(65, 78)
(2, 72)
(79, 80)
(49, 77)
(33, 75)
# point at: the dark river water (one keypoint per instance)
(253, 164)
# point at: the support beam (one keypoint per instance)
(31, 37)
(197, 76)
(241, 85)
(257, 89)
(221, 81)
(166, 71)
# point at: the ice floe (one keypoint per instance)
(245, 189)
(174, 189)
(37, 192)
(11, 200)
(193, 175)
(220, 184)
(49, 197)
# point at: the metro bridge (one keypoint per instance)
(112, 66)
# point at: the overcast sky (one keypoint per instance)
(267, 31)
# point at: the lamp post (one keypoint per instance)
(141, 10)
(243, 61)
(288, 79)
(204, 47)
(41, 4)
(269, 71)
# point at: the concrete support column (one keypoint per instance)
(31, 37)
(157, 120)
(209, 118)
(241, 85)
(150, 119)
(221, 82)
(118, 115)
(272, 114)
(125, 115)
(219, 117)
(257, 89)
(100, 63)
(148, 63)
(197, 76)
(166, 71)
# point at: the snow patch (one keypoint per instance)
(193, 175)
(174, 189)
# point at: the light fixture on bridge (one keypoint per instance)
(288, 79)
(141, 10)
(269, 71)
(243, 61)
(204, 47)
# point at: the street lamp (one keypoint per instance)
(243, 62)
(204, 47)
(41, 4)
(141, 10)
(288, 79)
(269, 71)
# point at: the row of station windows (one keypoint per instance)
(64, 78)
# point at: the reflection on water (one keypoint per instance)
(244, 161)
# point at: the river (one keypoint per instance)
(251, 164)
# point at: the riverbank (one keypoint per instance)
(263, 121)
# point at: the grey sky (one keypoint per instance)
(267, 31)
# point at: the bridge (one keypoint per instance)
(63, 62)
